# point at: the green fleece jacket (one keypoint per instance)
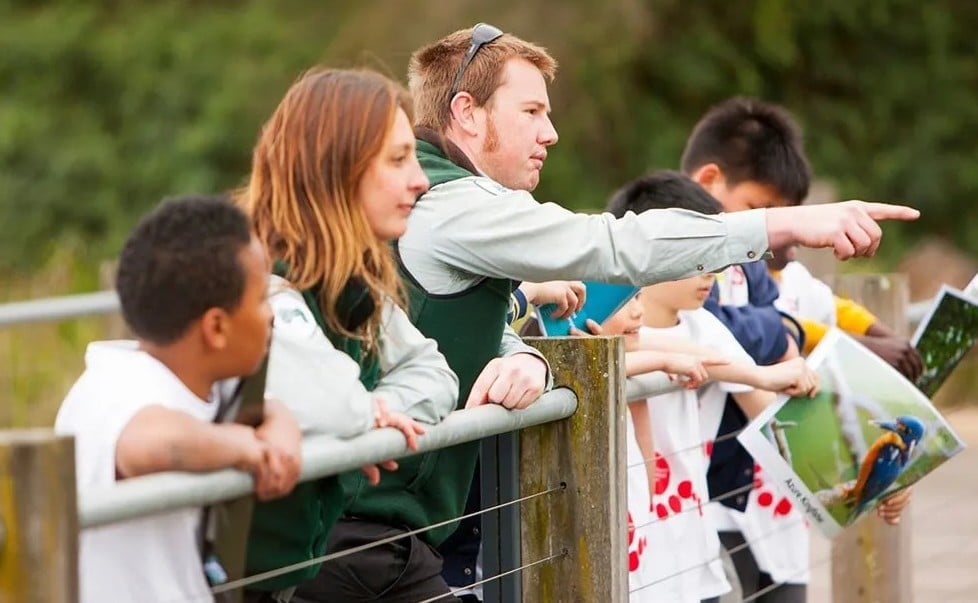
(432, 487)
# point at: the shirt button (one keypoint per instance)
(746, 471)
(751, 254)
(740, 501)
(475, 531)
(467, 571)
(699, 267)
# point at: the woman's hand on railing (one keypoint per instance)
(399, 421)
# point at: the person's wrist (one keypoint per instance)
(779, 227)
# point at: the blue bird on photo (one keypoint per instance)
(886, 459)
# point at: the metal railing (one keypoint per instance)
(107, 302)
(321, 456)
(59, 308)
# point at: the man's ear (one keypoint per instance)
(214, 327)
(463, 113)
(710, 177)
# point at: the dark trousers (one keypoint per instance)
(752, 579)
(251, 596)
(407, 570)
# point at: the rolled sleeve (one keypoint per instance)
(746, 236)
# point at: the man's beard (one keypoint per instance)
(491, 142)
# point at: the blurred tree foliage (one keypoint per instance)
(106, 107)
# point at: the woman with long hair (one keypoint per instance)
(334, 177)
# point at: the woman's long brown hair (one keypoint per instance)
(302, 195)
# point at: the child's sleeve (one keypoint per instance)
(814, 332)
(852, 317)
(518, 306)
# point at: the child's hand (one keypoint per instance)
(281, 432)
(692, 369)
(892, 507)
(568, 296)
(254, 457)
(593, 328)
(792, 377)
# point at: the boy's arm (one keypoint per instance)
(879, 338)
(754, 402)
(157, 439)
(161, 439)
(792, 377)
(760, 329)
(281, 432)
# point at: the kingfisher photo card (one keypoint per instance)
(945, 335)
(868, 432)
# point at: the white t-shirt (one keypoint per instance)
(152, 559)
(732, 286)
(680, 491)
(801, 294)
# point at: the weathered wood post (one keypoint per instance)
(38, 513)
(871, 562)
(587, 453)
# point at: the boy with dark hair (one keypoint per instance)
(749, 154)
(192, 284)
(662, 189)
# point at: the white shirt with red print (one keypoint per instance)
(680, 491)
(646, 565)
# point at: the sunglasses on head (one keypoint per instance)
(482, 34)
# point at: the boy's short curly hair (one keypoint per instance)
(751, 140)
(664, 189)
(181, 260)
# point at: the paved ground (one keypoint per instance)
(945, 529)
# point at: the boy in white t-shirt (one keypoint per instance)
(647, 566)
(192, 285)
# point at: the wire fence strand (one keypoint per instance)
(562, 553)
(730, 551)
(249, 580)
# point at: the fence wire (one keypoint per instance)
(249, 580)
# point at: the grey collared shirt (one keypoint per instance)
(465, 230)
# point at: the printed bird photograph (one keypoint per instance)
(867, 433)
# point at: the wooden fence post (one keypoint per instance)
(38, 509)
(871, 562)
(587, 453)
